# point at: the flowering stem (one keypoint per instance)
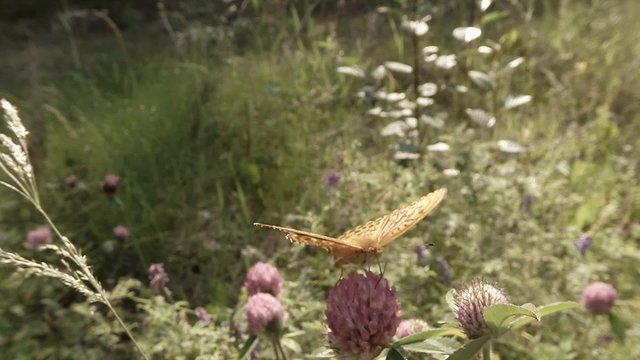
(275, 347)
(126, 328)
(486, 351)
(284, 355)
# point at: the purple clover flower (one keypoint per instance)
(39, 236)
(583, 243)
(263, 278)
(110, 184)
(444, 270)
(71, 181)
(599, 298)
(331, 179)
(421, 253)
(203, 316)
(410, 327)
(470, 303)
(362, 315)
(121, 233)
(158, 277)
(264, 313)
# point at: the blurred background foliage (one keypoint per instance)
(216, 114)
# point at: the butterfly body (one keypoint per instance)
(364, 244)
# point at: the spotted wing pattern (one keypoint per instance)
(330, 244)
(377, 233)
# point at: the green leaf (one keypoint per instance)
(291, 344)
(493, 16)
(468, 350)
(436, 346)
(617, 327)
(421, 336)
(394, 354)
(545, 310)
(496, 315)
(248, 346)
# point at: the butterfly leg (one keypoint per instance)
(381, 269)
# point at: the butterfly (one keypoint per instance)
(364, 244)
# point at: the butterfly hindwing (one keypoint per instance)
(330, 244)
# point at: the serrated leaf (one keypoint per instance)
(440, 346)
(394, 354)
(481, 117)
(421, 336)
(470, 349)
(248, 346)
(484, 81)
(617, 328)
(545, 310)
(496, 315)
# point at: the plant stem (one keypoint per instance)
(126, 328)
(284, 355)
(275, 348)
(486, 351)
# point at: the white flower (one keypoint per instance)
(514, 101)
(467, 34)
(515, 63)
(351, 71)
(451, 172)
(406, 104)
(428, 89)
(461, 89)
(430, 58)
(395, 128)
(484, 5)
(439, 147)
(511, 147)
(379, 72)
(395, 96)
(446, 61)
(418, 28)
(411, 122)
(424, 101)
(404, 155)
(375, 111)
(398, 67)
(481, 117)
(437, 123)
(485, 50)
(428, 50)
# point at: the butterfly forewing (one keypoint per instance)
(383, 230)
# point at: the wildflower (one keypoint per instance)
(121, 233)
(451, 172)
(583, 243)
(331, 179)
(39, 236)
(443, 269)
(362, 315)
(110, 184)
(264, 312)
(511, 147)
(428, 89)
(446, 61)
(512, 101)
(486, 50)
(158, 278)
(421, 252)
(203, 316)
(410, 327)
(417, 28)
(467, 34)
(481, 117)
(351, 71)
(71, 181)
(398, 67)
(263, 278)
(470, 303)
(599, 298)
(379, 72)
(439, 147)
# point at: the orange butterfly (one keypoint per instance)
(365, 243)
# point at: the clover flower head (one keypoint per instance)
(110, 184)
(264, 313)
(203, 316)
(362, 315)
(121, 233)
(410, 327)
(583, 243)
(470, 303)
(39, 236)
(71, 181)
(599, 297)
(263, 278)
(158, 277)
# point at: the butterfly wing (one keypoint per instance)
(332, 245)
(377, 233)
